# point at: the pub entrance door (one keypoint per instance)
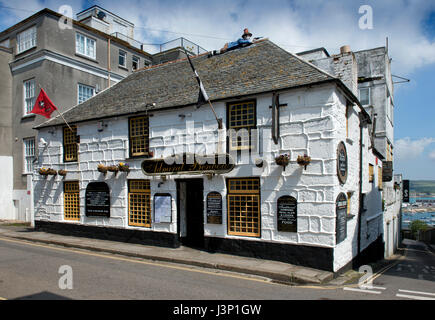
(190, 204)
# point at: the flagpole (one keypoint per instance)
(208, 100)
(59, 112)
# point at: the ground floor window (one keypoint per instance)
(139, 203)
(244, 207)
(71, 200)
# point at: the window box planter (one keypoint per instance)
(113, 168)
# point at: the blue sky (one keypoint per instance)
(298, 25)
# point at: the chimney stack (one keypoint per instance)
(345, 49)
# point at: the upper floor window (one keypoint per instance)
(364, 96)
(84, 93)
(122, 58)
(138, 136)
(26, 39)
(29, 95)
(85, 46)
(70, 144)
(29, 154)
(241, 119)
(135, 63)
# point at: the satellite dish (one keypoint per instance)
(101, 15)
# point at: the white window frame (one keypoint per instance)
(132, 61)
(86, 40)
(28, 99)
(26, 39)
(368, 95)
(125, 58)
(84, 86)
(28, 155)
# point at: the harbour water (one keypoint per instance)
(427, 217)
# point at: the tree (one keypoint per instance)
(416, 226)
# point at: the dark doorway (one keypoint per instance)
(190, 200)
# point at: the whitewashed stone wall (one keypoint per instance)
(313, 123)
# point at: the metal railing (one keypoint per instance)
(191, 47)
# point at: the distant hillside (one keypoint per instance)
(422, 186)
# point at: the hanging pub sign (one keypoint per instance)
(387, 171)
(162, 208)
(188, 163)
(97, 199)
(214, 208)
(405, 191)
(341, 218)
(342, 163)
(287, 214)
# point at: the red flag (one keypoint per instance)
(43, 105)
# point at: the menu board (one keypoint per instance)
(97, 199)
(287, 214)
(341, 218)
(342, 162)
(162, 208)
(214, 208)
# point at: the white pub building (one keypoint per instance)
(292, 176)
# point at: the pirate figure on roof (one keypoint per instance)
(244, 41)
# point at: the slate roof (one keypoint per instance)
(261, 67)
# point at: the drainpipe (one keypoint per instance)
(108, 62)
(362, 123)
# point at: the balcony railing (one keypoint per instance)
(191, 47)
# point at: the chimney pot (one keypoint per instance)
(345, 49)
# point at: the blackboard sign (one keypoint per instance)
(97, 199)
(162, 208)
(405, 191)
(342, 163)
(214, 208)
(287, 214)
(387, 171)
(341, 218)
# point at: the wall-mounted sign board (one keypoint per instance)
(387, 171)
(342, 163)
(287, 214)
(341, 218)
(214, 208)
(405, 191)
(162, 208)
(188, 164)
(97, 199)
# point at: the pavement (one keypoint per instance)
(274, 270)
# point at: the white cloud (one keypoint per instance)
(407, 149)
(432, 155)
(296, 26)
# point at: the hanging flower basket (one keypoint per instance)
(151, 154)
(303, 160)
(113, 168)
(282, 160)
(43, 171)
(123, 167)
(62, 172)
(102, 168)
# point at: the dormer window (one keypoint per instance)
(26, 39)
